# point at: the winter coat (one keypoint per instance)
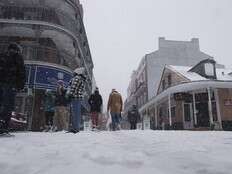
(95, 102)
(61, 99)
(77, 86)
(115, 102)
(49, 103)
(12, 70)
(133, 116)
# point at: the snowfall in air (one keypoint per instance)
(158, 152)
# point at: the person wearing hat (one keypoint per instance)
(61, 117)
(12, 79)
(76, 93)
(95, 102)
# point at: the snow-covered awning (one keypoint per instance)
(186, 87)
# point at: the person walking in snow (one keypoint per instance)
(114, 106)
(61, 118)
(49, 109)
(76, 93)
(12, 79)
(95, 102)
(133, 117)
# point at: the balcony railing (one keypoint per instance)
(50, 15)
(46, 54)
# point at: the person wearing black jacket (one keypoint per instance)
(95, 102)
(133, 117)
(12, 79)
(61, 117)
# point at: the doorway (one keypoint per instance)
(188, 115)
(202, 114)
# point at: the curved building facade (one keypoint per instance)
(54, 42)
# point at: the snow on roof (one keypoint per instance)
(222, 73)
(184, 71)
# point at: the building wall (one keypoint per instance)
(53, 37)
(185, 53)
(175, 79)
(226, 111)
(171, 53)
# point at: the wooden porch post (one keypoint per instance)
(210, 107)
(156, 117)
(218, 108)
(194, 109)
(169, 109)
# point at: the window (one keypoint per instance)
(173, 111)
(169, 80)
(187, 112)
(160, 112)
(209, 69)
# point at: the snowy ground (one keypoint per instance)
(158, 152)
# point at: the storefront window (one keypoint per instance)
(187, 112)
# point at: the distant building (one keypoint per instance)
(145, 79)
(198, 97)
(54, 42)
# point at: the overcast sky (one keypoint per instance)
(121, 32)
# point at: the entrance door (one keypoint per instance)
(202, 114)
(188, 115)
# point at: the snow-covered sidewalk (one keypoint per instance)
(158, 152)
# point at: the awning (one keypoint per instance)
(186, 87)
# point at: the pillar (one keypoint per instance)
(169, 109)
(218, 108)
(194, 109)
(210, 107)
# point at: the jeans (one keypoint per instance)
(116, 117)
(49, 118)
(133, 125)
(61, 118)
(94, 118)
(76, 114)
(7, 103)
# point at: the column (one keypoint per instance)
(156, 117)
(210, 107)
(169, 109)
(194, 109)
(218, 108)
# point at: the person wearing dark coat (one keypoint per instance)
(49, 109)
(133, 117)
(12, 79)
(95, 102)
(61, 117)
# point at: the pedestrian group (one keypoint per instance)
(62, 107)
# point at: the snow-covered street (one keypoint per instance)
(159, 152)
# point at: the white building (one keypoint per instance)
(149, 72)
